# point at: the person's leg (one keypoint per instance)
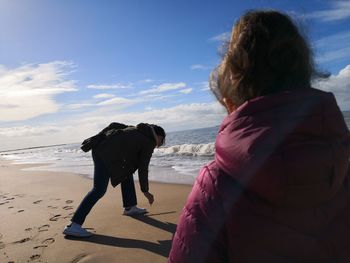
(128, 192)
(129, 198)
(101, 180)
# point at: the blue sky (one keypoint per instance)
(69, 67)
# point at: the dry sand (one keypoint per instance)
(35, 206)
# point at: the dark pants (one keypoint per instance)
(101, 180)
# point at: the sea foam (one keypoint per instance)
(207, 149)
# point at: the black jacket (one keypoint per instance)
(127, 150)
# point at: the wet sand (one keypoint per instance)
(36, 205)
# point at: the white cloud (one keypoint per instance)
(103, 96)
(146, 81)
(181, 117)
(111, 100)
(32, 136)
(339, 85)
(164, 87)
(111, 86)
(186, 91)
(154, 97)
(223, 37)
(204, 85)
(77, 106)
(28, 91)
(339, 10)
(333, 47)
(25, 131)
(340, 38)
(118, 101)
(332, 55)
(198, 66)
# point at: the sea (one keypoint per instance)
(178, 161)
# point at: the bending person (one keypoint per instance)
(116, 157)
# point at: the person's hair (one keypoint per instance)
(266, 54)
(159, 130)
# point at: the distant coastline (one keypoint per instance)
(346, 115)
(34, 147)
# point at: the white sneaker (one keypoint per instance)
(134, 210)
(76, 230)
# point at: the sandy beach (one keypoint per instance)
(36, 205)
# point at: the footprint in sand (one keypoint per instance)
(21, 241)
(28, 229)
(34, 257)
(43, 228)
(10, 207)
(20, 211)
(40, 246)
(69, 216)
(2, 245)
(68, 207)
(37, 202)
(55, 218)
(10, 198)
(2, 203)
(48, 241)
(69, 201)
(53, 207)
(20, 195)
(79, 257)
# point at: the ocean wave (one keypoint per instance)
(207, 149)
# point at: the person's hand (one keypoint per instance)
(150, 197)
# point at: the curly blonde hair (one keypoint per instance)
(266, 54)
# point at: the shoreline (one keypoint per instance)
(36, 205)
(50, 167)
(33, 147)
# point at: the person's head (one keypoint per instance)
(160, 134)
(266, 54)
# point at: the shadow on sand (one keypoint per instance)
(161, 248)
(166, 226)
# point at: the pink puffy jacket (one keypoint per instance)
(278, 189)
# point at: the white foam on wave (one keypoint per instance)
(29, 158)
(207, 149)
(173, 164)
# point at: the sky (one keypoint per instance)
(70, 67)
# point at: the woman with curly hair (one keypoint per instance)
(278, 188)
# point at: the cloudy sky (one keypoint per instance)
(69, 67)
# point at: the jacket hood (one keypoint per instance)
(147, 130)
(290, 148)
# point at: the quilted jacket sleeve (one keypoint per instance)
(200, 235)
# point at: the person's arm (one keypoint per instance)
(200, 234)
(150, 197)
(144, 160)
